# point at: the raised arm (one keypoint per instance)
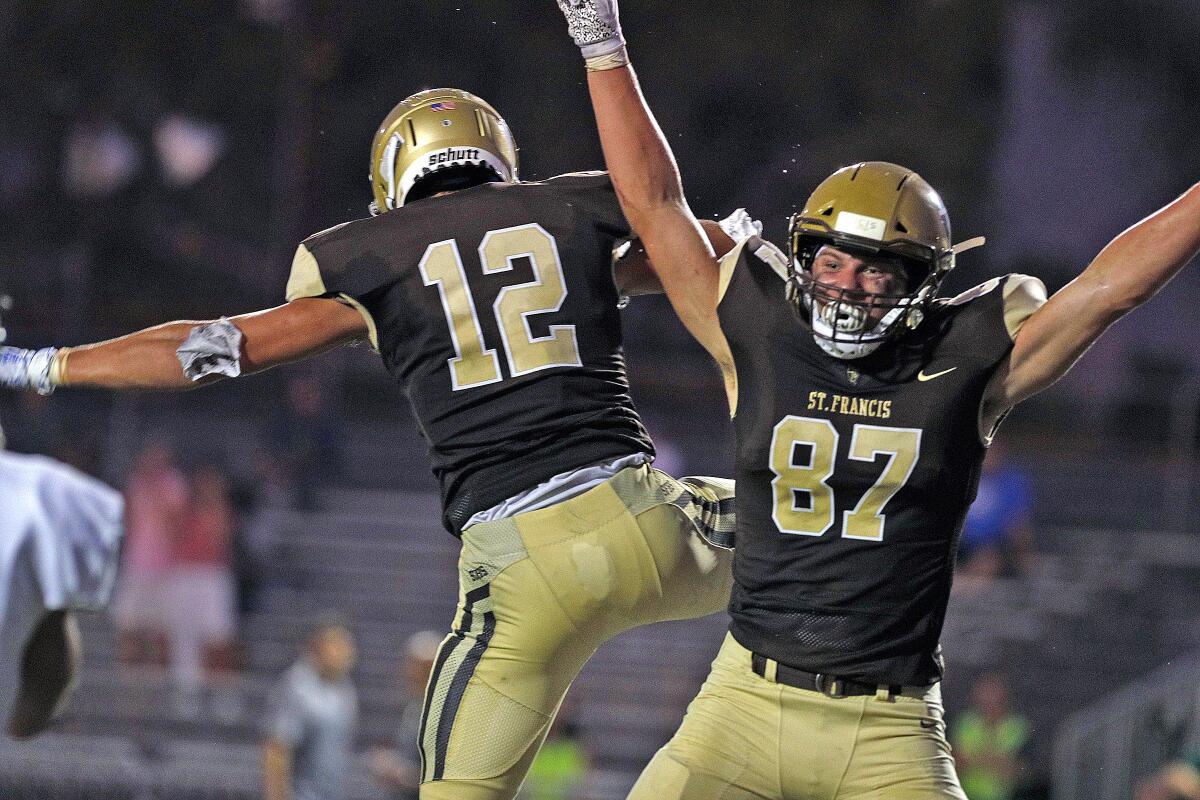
(1126, 273)
(151, 358)
(645, 175)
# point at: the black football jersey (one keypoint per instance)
(494, 307)
(854, 476)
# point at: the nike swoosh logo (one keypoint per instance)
(921, 376)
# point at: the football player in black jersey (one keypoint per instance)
(494, 304)
(863, 406)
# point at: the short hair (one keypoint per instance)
(326, 621)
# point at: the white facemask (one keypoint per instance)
(839, 328)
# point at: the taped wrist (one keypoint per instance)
(212, 349)
(58, 367)
(609, 60)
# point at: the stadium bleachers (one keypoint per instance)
(1061, 633)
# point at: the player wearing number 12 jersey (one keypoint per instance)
(863, 407)
(494, 304)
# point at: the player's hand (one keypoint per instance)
(596, 28)
(27, 369)
(740, 225)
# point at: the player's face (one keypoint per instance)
(860, 279)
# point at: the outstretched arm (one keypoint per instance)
(646, 177)
(1126, 273)
(635, 275)
(148, 359)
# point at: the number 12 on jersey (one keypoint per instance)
(809, 480)
(474, 363)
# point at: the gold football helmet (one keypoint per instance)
(869, 209)
(431, 133)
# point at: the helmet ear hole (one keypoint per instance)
(901, 227)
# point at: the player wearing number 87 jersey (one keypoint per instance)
(855, 474)
(494, 304)
(863, 406)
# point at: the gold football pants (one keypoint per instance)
(745, 736)
(539, 592)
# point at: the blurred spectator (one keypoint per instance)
(99, 158)
(60, 533)
(200, 602)
(997, 537)
(560, 767)
(155, 499)
(399, 767)
(989, 742)
(187, 148)
(307, 438)
(1177, 780)
(311, 715)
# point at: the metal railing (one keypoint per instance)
(1102, 751)
(1185, 458)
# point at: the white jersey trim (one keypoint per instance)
(558, 489)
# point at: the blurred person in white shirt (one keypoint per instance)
(60, 535)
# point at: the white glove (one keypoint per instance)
(27, 369)
(740, 225)
(596, 28)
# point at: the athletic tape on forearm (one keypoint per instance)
(213, 349)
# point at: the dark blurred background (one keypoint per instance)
(162, 160)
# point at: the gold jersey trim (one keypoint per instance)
(306, 281)
(1023, 295)
(728, 264)
(372, 331)
(773, 258)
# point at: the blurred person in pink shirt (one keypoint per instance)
(155, 495)
(201, 601)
